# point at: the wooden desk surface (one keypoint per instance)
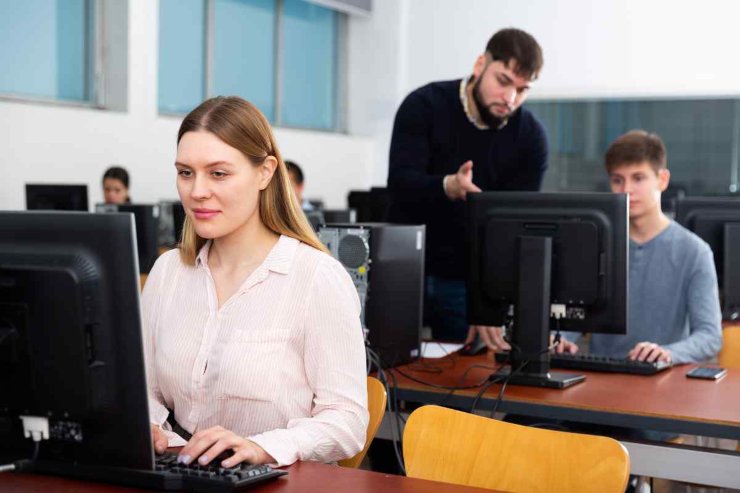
(303, 477)
(666, 396)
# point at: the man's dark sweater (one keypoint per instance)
(432, 137)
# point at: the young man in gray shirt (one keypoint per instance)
(673, 307)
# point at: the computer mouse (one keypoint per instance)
(473, 348)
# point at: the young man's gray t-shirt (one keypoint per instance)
(673, 299)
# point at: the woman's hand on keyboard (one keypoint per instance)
(208, 444)
(159, 439)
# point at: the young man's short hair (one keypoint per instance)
(511, 43)
(635, 147)
(295, 170)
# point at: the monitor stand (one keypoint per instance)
(530, 355)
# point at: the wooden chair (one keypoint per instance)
(729, 355)
(376, 400)
(451, 446)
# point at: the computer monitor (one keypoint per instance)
(316, 218)
(70, 341)
(344, 216)
(316, 204)
(371, 205)
(146, 217)
(670, 196)
(171, 222)
(716, 220)
(549, 260)
(56, 197)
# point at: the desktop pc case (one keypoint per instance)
(386, 264)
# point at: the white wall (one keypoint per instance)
(53, 144)
(608, 48)
(377, 50)
(592, 49)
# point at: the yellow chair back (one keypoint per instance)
(441, 444)
(729, 355)
(376, 400)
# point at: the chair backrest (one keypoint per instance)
(376, 400)
(729, 355)
(451, 446)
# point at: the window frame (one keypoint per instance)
(340, 68)
(102, 53)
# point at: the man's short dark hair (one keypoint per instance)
(295, 170)
(514, 44)
(636, 147)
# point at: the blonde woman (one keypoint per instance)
(252, 332)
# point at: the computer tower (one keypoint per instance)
(386, 264)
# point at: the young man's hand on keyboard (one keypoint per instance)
(649, 351)
(565, 346)
(493, 337)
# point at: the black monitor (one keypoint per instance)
(670, 196)
(316, 204)
(716, 220)
(171, 222)
(343, 216)
(549, 260)
(56, 197)
(146, 217)
(315, 218)
(371, 205)
(70, 342)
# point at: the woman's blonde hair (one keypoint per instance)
(241, 125)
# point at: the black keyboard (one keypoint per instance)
(592, 362)
(168, 474)
(213, 478)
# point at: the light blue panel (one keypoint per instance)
(181, 55)
(42, 48)
(72, 34)
(244, 52)
(309, 65)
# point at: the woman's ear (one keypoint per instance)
(267, 170)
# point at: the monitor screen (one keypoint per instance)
(315, 218)
(547, 260)
(56, 197)
(70, 339)
(343, 216)
(716, 220)
(371, 206)
(171, 221)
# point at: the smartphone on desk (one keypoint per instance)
(707, 372)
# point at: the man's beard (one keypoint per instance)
(491, 120)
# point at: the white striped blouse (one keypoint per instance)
(281, 363)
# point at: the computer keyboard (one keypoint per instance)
(168, 475)
(592, 362)
(213, 478)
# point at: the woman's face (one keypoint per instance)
(218, 185)
(114, 191)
